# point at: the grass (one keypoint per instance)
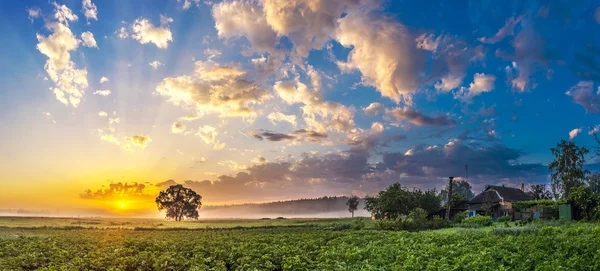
(148, 223)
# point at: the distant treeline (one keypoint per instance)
(290, 207)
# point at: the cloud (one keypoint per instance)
(573, 133)
(33, 13)
(69, 81)
(481, 83)
(209, 135)
(275, 117)
(49, 116)
(155, 64)
(103, 79)
(188, 3)
(102, 114)
(365, 141)
(178, 128)
(583, 94)
(224, 90)
(102, 92)
(507, 30)
(244, 19)
(88, 39)
(118, 191)
(374, 109)
(296, 136)
(165, 184)
(485, 162)
(145, 32)
(419, 119)
(89, 10)
(383, 50)
(139, 140)
(259, 160)
(449, 83)
(122, 33)
(63, 14)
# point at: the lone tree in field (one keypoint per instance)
(352, 204)
(567, 168)
(180, 202)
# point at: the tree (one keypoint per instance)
(458, 201)
(586, 200)
(458, 187)
(538, 191)
(487, 205)
(397, 201)
(567, 168)
(352, 204)
(180, 202)
(594, 182)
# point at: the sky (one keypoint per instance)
(105, 103)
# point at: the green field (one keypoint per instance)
(132, 223)
(294, 244)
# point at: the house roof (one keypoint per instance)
(499, 193)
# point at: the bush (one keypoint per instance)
(459, 217)
(476, 221)
(438, 223)
(416, 221)
(505, 218)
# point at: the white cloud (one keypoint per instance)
(49, 116)
(102, 114)
(155, 64)
(449, 82)
(225, 90)
(69, 81)
(208, 134)
(63, 14)
(244, 19)
(88, 39)
(103, 79)
(573, 133)
(122, 33)
(188, 3)
(145, 32)
(33, 13)
(384, 51)
(374, 109)
(275, 117)
(481, 83)
(104, 92)
(90, 11)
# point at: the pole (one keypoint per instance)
(449, 197)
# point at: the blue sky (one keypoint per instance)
(259, 101)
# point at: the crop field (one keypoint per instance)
(132, 223)
(328, 246)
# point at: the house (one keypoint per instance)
(499, 199)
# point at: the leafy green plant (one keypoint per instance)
(476, 221)
(505, 218)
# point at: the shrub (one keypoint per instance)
(438, 223)
(459, 217)
(476, 221)
(505, 218)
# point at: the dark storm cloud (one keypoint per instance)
(418, 118)
(494, 161)
(298, 135)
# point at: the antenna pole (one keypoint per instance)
(449, 197)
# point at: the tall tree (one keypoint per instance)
(538, 191)
(458, 187)
(352, 204)
(567, 168)
(180, 202)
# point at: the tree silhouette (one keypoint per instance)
(567, 168)
(538, 191)
(180, 202)
(352, 204)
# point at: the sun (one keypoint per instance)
(122, 204)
